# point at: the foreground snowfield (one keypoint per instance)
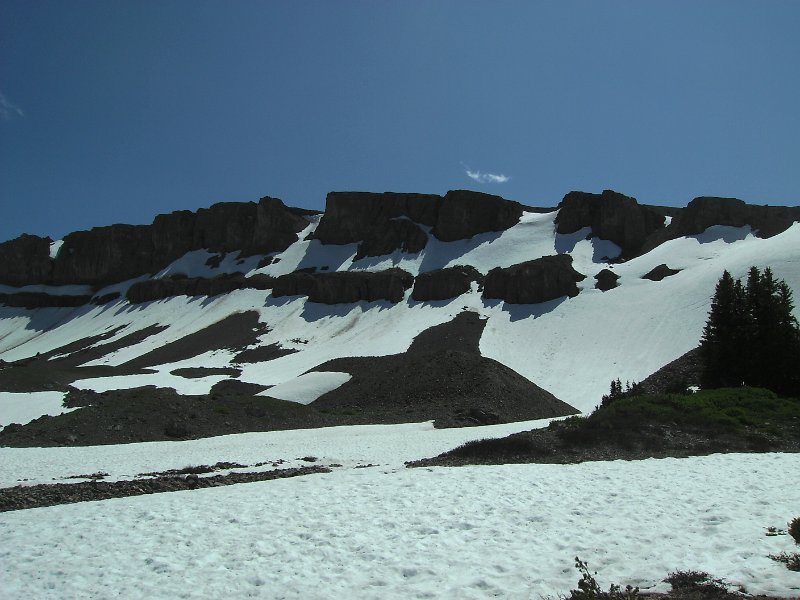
(384, 531)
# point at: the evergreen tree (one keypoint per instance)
(751, 336)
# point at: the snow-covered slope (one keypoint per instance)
(571, 347)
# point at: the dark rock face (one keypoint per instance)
(115, 253)
(351, 217)
(345, 287)
(40, 300)
(606, 280)
(25, 260)
(380, 221)
(534, 281)
(104, 255)
(158, 289)
(464, 214)
(612, 216)
(704, 212)
(443, 284)
(701, 213)
(395, 234)
(660, 272)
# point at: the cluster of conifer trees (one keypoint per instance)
(751, 337)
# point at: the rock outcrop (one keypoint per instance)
(394, 234)
(33, 300)
(612, 216)
(705, 211)
(606, 280)
(158, 289)
(105, 255)
(25, 261)
(534, 281)
(464, 214)
(443, 284)
(345, 286)
(660, 272)
(382, 223)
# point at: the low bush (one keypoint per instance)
(794, 529)
(493, 448)
(589, 589)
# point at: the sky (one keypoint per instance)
(114, 112)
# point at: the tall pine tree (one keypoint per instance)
(751, 336)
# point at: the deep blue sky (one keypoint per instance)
(117, 111)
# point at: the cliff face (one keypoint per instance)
(115, 253)
(705, 211)
(382, 223)
(25, 260)
(612, 216)
(379, 223)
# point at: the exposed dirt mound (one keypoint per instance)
(441, 377)
(234, 332)
(151, 414)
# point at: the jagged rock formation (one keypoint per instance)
(382, 223)
(345, 286)
(612, 216)
(464, 214)
(443, 284)
(606, 280)
(705, 211)
(534, 281)
(158, 289)
(660, 272)
(25, 260)
(115, 253)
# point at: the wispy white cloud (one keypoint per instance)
(9, 110)
(485, 177)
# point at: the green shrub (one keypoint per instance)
(794, 529)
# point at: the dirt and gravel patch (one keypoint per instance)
(35, 496)
(442, 378)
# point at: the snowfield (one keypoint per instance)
(508, 531)
(372, 528)
(572, 347)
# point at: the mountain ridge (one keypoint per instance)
(570, 298)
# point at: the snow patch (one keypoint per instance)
(308, 387)
(24, 408)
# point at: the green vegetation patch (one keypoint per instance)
(723, 410)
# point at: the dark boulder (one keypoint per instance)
(606, 280)
(464, 213)
(25, 260)
(345, 286)
(534, 281)
(443, 284)
(660, 272)
(612, 216)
